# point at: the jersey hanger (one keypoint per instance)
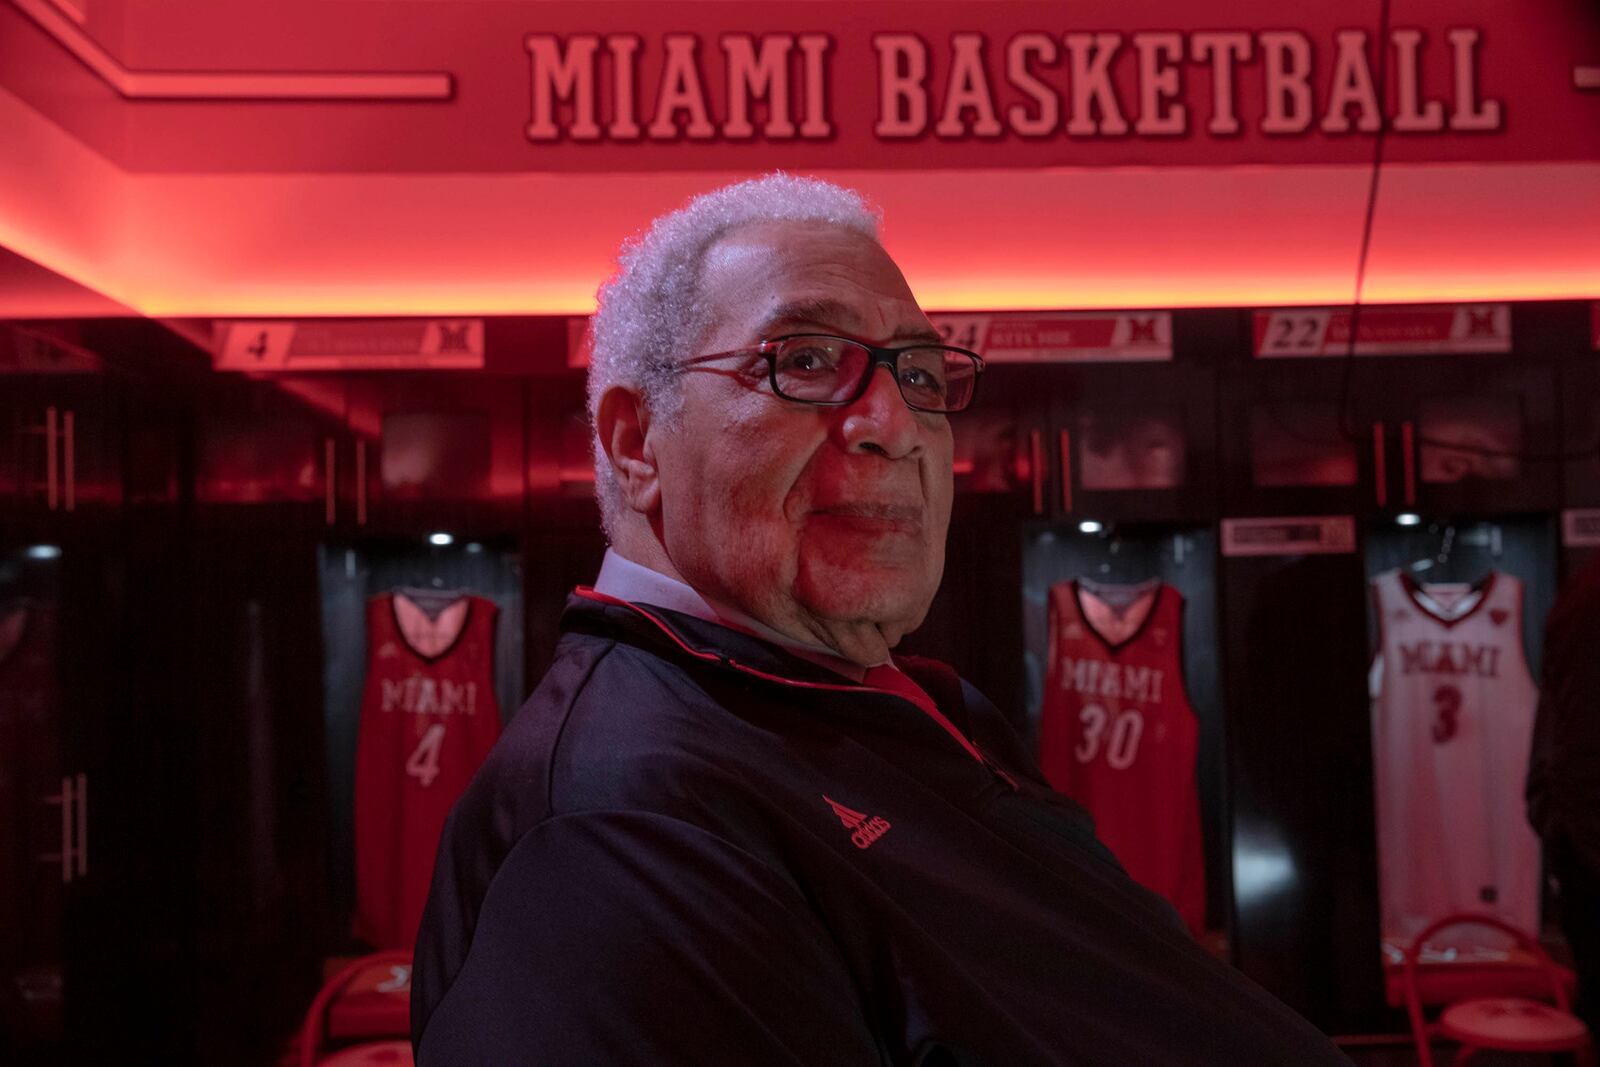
(432, 601)
(1117, 568)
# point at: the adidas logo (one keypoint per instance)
(864, 829)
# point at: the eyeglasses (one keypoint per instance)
(816, 368)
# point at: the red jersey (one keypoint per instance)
(1117, 733)
(428, 719)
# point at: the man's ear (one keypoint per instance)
(623, 427)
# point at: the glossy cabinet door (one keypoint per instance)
(60, 446)
(1297, 437)
(1456, 433)
(1294, 657)
(264, 440)
(33, 402)
(1470, 435)
(39, 814)
(1137, 442)
(1579, 344)
(99, 810)
(1576, 339)
(437, 452)
(561, 532)
(1001, 444)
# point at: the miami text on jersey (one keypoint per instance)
(1094, 677)
(421, 695)
(1449, 657)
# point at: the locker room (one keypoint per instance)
(1284, 451)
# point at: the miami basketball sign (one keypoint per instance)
(1033, 83)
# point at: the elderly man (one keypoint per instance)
(730, 827)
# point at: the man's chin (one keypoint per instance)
(893, 598)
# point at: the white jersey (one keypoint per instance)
(1452, 719)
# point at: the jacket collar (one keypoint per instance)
(678, 636)
(623, 579)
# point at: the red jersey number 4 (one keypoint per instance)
(423, 763)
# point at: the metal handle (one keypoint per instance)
(50, 457)
(64, 855)
(1380, 470)
(65, 800)
(69, 427)
(330, 459)
(1036, 454)
(361, 483)
(1408, 461)
(82, 813)
(1065, 445)
(74, 802)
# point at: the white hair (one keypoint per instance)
(652, 312)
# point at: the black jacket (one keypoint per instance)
(691, 847)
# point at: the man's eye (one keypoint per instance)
(809, 360)
(922, 379)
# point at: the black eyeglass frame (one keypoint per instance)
(877, 356)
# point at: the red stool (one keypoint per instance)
(1508, 1023)
(366, 1000)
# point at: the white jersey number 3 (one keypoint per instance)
(423, 764)
(1122, 744)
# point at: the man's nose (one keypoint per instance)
(879, 420)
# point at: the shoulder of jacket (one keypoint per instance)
(640, 731)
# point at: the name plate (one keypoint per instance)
(1383, 330)
(1060, 336)
(23, 351)
(293, 345)
(1289, 536)
(1580, 527)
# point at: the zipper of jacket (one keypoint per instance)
(713, 657)
(949, 727)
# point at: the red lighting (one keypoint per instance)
(222, 207)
